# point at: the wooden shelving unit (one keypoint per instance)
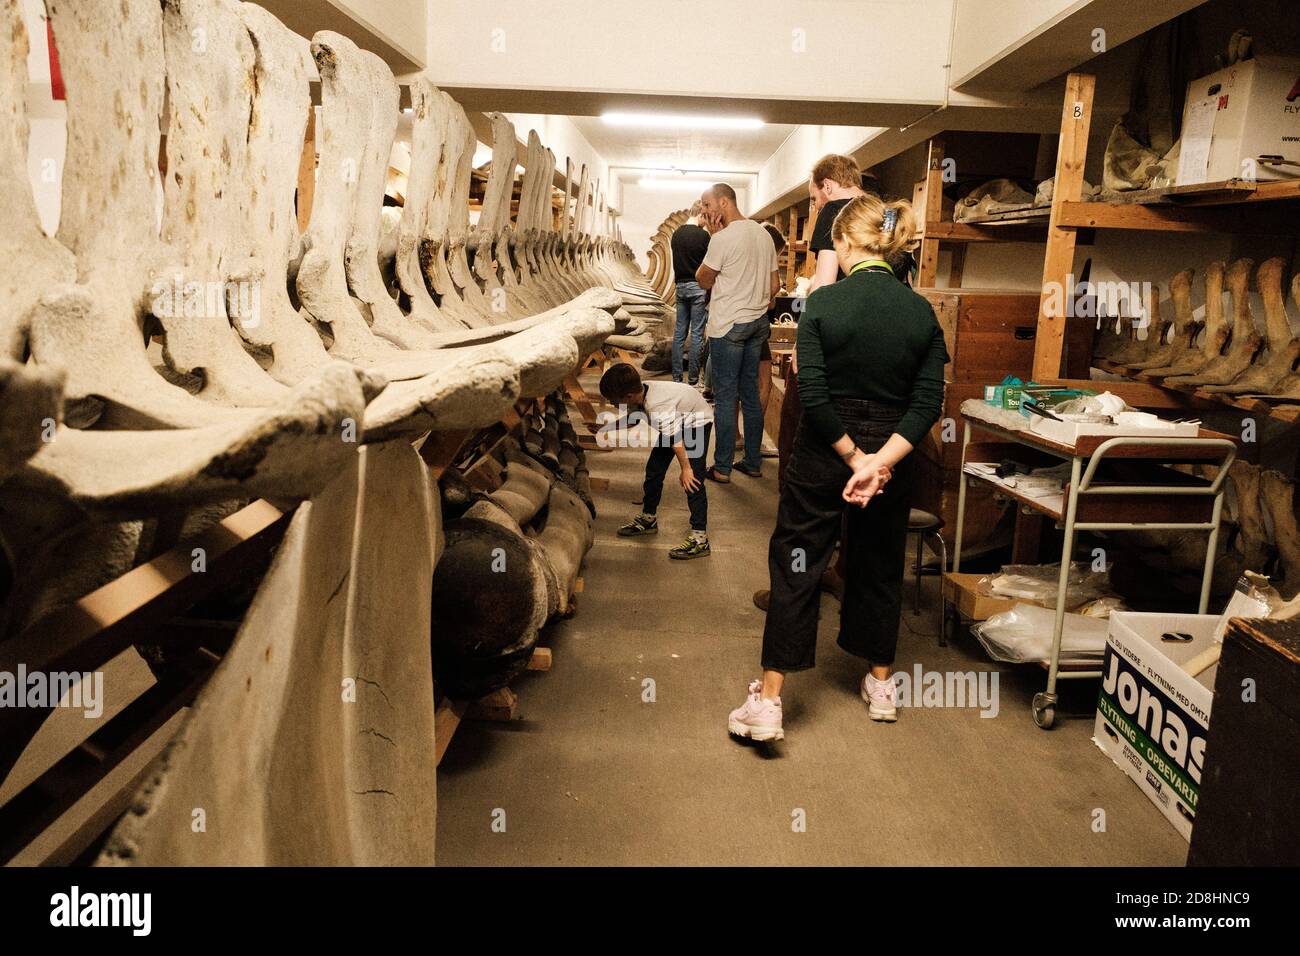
(796, 224)
(1233, 207)
(937, 233)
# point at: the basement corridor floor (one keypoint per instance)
(590, 773)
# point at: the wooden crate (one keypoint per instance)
(1246, 814)
(991, 333)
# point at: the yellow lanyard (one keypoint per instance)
(869, 263)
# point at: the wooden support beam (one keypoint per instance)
(446, 719)
(93, 630)
(791, 238)
(29, 812)
(928, 268)
(441, 449)
(578, 395)
(1058, 263)
(957, 267)
(809, 260)
(134, 608)
(498, 705)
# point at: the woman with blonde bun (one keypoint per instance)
(871, 360)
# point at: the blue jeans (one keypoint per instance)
(690, 318)
(734, 358)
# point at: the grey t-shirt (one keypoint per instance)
(743, 256)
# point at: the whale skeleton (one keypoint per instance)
(133, 390)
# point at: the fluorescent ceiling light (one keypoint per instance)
(652, 182)
(679, 121)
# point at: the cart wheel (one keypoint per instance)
(1044, 708)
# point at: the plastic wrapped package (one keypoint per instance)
(1101, 607)
(1024, 634)
(1038, 583)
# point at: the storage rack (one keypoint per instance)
(1089, 503)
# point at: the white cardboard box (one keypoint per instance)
(1068, 432)
(1237, 114)
(1152, 716)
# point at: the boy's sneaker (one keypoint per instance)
(881, 697)
(695, 546)
(745, 469)
(756, 718)
(641, 524)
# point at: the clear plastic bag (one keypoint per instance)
(1038, 582)
(1024, 634)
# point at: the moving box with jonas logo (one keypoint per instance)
(1152, 714)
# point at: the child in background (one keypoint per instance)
(683, 421)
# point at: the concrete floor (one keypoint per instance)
(591, 774)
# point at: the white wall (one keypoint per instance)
(644, 209)
(883, 50)
(788, 168)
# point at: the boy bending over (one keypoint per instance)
(683, 421)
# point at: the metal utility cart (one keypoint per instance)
(1090, 502)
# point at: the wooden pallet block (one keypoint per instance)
(499, 705)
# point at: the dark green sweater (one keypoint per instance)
(869, 336)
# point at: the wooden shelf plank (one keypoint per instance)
(1020, 214)
(1002, 231)
(1221, 218)
(1224, 193)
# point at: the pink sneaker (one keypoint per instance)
(756, 718)
(881, 697)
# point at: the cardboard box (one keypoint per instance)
(1152, 716)
(964, 593)
(1237, 114)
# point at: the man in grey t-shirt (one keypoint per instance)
(740, 271)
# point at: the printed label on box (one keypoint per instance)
(1154, 731)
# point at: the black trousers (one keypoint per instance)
(696, 441)
(808, 524)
